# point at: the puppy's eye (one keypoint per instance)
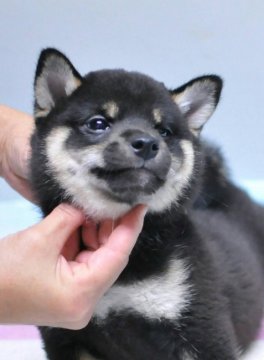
(97, 124)
(164, 132)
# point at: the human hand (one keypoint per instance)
(46, 280)
(16, 129)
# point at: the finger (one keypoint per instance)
(60, 224)
(109, 260)
(72, 246)
(21, 126)
(106, 227)
(20, 185)
(89, 235)
(85, 257)
(24, 155)
(127, 230)
(93, 238)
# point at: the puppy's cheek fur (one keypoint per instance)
(71, 169)
(177, 180)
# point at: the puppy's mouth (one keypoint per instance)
(106, 174)
(128, 184)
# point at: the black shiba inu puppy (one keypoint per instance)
(194, 284)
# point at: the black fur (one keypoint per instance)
(213, 226)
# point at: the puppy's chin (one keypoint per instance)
(111, 199)
(129, 186)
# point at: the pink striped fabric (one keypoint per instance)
(18, 332)
(21, 332)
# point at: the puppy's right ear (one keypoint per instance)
(55, 78)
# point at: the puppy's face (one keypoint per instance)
(114, 139)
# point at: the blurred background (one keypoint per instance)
(173, 41)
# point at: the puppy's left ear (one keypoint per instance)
(198, 99)
(55, 79)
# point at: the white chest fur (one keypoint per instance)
(163, 296)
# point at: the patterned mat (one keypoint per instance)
(23, 343)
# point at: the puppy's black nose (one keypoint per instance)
(145, 146)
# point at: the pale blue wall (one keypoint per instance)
(170, 40)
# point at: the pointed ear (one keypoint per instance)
(55, 78)
(197, 100)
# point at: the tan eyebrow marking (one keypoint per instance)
(157, 116)
(111, 109)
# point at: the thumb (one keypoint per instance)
(109, 260)
(59, 225)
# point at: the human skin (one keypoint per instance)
(45, 279)
(16, 129)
